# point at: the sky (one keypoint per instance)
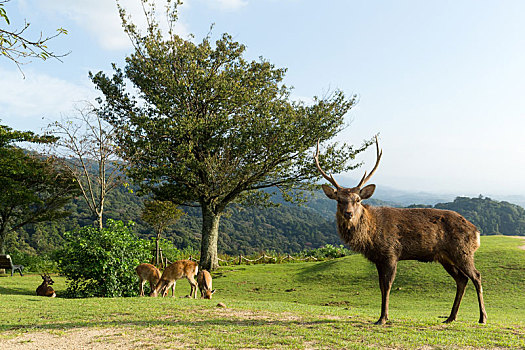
(442, 82)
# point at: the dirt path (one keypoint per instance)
(79, 338)
(522, 238)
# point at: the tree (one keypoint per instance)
(205, 127)
(32, 188)
(85, 145)
(18, 48)
(160, 215)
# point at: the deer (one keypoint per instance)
(45, 289)
(172, 273)
(149, 273)
(386, 235)
(204, 282)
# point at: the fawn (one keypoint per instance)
(147, 272)
(204, 282)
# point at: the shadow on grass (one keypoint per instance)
(16, 291)
(205, 324)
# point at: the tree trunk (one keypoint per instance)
(157, 250)
(3, 235)
(210, 234)
(100, 222)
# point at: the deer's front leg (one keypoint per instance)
(387, 273)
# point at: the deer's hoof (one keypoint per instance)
(380, 322)
(449, 320)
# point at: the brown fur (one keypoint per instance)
(177, 270)
(149, 273)
(386, 235)
(205, 284)
(45, 290)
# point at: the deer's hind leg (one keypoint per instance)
(193, 284)
(461, 283)
(142, 282)
(467, 267)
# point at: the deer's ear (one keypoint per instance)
(329, 191)
(367, 191)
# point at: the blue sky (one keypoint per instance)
(441, 81)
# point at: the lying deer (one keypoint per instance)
(149, 273)
(45, 289)
(204, 282)
(177, 270)
(386, 235)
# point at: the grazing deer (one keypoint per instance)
(386, 235)
(177, 270)
(45, 289)
(147, 272)
(204, 282)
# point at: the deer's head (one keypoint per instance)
(47, 279)
(349, 204)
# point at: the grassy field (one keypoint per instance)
(314, 305)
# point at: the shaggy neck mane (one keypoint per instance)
(357, 236)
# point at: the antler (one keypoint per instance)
(366, 178)
(327, 177)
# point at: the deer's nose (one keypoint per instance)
(348, 214)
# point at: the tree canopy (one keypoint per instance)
(32, 188)
(205, 126)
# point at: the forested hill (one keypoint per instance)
(490, 216)
(286, 229)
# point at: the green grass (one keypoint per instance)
(329, 304)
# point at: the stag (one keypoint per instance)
(387, 235)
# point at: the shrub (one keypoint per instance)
(101, 263)
(37, 263)
(328, 252)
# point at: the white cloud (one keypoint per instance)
(33, 102)
(101, 18)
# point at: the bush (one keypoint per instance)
(34, 263)
(101, 263)
(328, 252)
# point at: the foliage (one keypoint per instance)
(328, 252)
(32, 188)
(160, 214)
(102, 262)
(490, 216)
(15, 46)
(34, 263)
(8, 137)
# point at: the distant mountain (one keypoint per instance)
(490, 216)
